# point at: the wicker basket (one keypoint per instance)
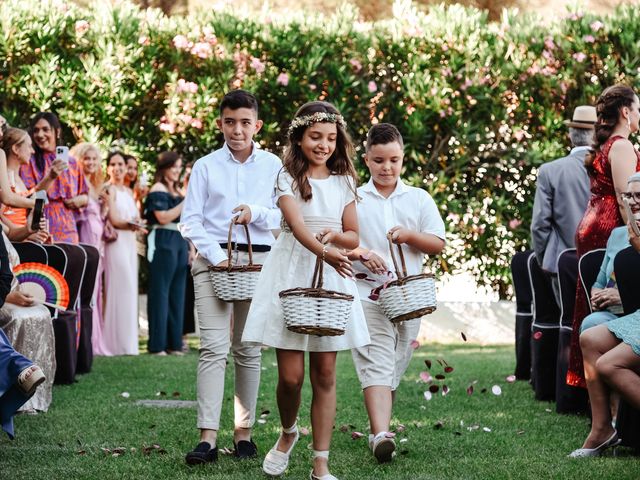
(235, 283)
(408, 297)
(316, 311)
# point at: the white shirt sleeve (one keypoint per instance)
(284, 185)
(430, 219)
(349, 190)
(268, 217)
(192, 218)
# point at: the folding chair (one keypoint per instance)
(524, 313)
(85, 350)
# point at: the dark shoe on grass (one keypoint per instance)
(203, 453)
(245, 449)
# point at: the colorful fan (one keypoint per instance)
(45, 283)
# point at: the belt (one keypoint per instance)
(243, 247)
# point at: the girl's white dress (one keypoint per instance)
(291, 265)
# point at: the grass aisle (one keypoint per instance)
(478, 436)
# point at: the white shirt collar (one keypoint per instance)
(371, 188)
(250, 158)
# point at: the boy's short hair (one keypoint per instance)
(236, 99)
(383, 133)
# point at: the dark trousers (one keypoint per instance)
(165, 300)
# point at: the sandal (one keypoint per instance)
(326, 476)
(29, 379)
(276, 462)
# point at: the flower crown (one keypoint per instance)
(306, 120)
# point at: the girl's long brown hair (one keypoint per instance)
(297, 165)
(608, 107)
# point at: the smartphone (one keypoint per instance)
(37, 214)
(631, 217)
(62, 153)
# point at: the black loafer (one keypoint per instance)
(203, 453)
(245, 449)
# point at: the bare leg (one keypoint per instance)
(290, 380)
(619, 367)
(209, 436)
(378, 400)
(595, 342)
(323, 404)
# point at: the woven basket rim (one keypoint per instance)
(237, 268)
(413, 314)
(410, 278)
(315, 293)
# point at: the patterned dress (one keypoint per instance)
(69, 184)
(600, 218)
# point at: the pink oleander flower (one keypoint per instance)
(209, 36)
(257, 65)
(514, 223)
(446, 72)
(445, 47)
(167, 126)
(589, 39)
(312, 87)
(467, 83)
(202, 50)
(181, 42)
(519, 135)
(283, 79)
(410, 109)
(579, 57)
(185, 118)
(549, 43)
(187, 87)
(355, 63)
(81, 27)
(143, 40)
(196, 123)
(597, 25)
(372, 87)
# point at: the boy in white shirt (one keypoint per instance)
(235, 181)
(412, 217)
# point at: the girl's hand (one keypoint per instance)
(605, 298)
(76, 202)
(326, 236)
(57, 167)
(104, 196)
(18, 298)
(339, 260)
(400, 235)
(374, 262)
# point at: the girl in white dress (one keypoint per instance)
(316, 193)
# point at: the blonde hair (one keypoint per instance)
(79, 152)
(12, 137)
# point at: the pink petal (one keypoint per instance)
(428, 395)
(496, 390)
(425, 377)
(356, 435)
(511, 378)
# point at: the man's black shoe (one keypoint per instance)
(203, 453)
(245, 449)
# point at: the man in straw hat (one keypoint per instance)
(562, 194)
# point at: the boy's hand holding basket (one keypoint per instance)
(234, 283)
(408, 297)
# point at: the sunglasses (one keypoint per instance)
(631, 195)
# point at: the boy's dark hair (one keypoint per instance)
(383, 133)
(236, 99)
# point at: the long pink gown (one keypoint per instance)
(120, 332)
(90, 228)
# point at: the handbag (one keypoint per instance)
(109, 234)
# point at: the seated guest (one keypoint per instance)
(19, 377)
(611, 353)
(29, 329)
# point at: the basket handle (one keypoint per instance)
(229, 244)
(317, 274)
(393, 257)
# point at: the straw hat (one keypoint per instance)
(584, 116)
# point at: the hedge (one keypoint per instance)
(480, 104)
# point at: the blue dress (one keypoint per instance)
(627, 329)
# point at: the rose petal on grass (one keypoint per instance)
(448, 369)
(440, 377)
(81, 452)
(484, 390)
(344, 428)
(426, 377)
(438, 425)
(428, 395)
(486, 429)
(511, 378)
(519, 432)
(262, 421)
(496, 390)
(434, 388)
(427, 362)
(470, 390)
(265, 413)
(175, 394)
(400, 428)
(404, 440)
(445, 390)
(304, 431)
(125, 394)
(356, 435)
(415, 344)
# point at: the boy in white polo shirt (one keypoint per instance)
(412, 217)
(236, 181)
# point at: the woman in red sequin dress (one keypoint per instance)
(613, 162)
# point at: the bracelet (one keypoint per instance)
(325, 249)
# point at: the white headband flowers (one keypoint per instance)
(306, 120)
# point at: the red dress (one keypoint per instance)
(602, 216)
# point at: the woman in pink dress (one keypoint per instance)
(120, 332)
(91, 226)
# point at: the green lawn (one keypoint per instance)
(446, 437)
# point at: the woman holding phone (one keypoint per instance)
(68, 192)
(120, 332)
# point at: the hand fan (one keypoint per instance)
(45, 283)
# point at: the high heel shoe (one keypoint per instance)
(327, 476)
(612, 441)
(276, 462)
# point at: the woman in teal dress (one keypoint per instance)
(611, 353)
(167, 253)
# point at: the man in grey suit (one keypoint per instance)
(562, 195)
